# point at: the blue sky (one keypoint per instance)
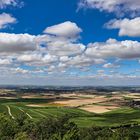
(74, 42)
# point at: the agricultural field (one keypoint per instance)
(85, 110)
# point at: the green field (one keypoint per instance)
(20, 105)
(82, 118)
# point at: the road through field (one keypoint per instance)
(9, 111)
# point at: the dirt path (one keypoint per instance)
(9, 111)
(26, 113)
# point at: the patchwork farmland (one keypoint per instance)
(84, 109)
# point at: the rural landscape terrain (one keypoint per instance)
(86, 107)
(69, 69)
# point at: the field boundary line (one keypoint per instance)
(26, 113)
(37, 111)
(40, 114)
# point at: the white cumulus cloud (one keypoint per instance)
(12, 43)
(127, 27)
(119, 7)
(67, 30)
(6, 19)
(5, 3)
(114, 49)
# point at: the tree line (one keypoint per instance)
(61, 128)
